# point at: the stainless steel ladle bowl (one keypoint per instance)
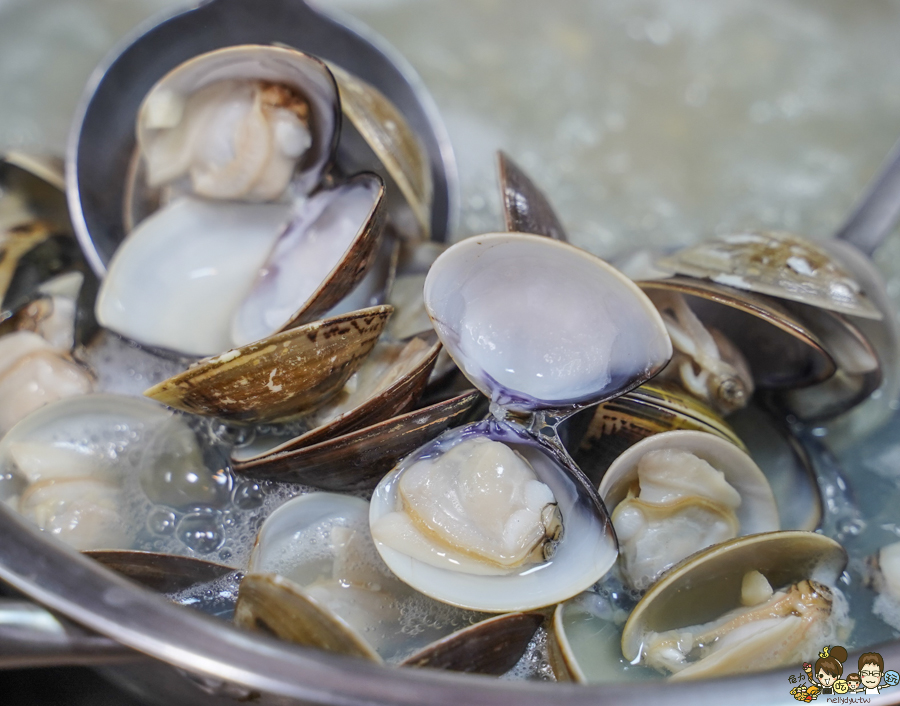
(102, 138)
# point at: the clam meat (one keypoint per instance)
(481, 505)
(752, 603)
(238, 121)
(669, 500)
(770, 629)
(69, 465)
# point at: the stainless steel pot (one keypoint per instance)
(185, 657)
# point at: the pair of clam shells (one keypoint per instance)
(543, 329)
(801, 312)
(711, 587)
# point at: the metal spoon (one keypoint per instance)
(102, 137)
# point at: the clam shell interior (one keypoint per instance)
(585, 552)
(535, 323)
(708, 584)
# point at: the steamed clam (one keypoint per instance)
(67, 466)
(771, 595)
(817, 289)
(243, 226)
(315, 578)
(547, 535)
(238, 121)
(678, 492)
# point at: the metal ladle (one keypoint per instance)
(102, 138)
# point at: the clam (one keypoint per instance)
(237, 231)
(66, 466)
(280, 377)
(574, 331)
(818, 289)
(315, 579)
(508, 308)
(785, 351)
(675, 493)
(238, 121)
(201, 277)
(706, 362)
(399, 155)
(752, 603)
(388, 382)
(778, 264)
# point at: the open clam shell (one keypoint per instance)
(359, 459)
(389, 136)
(320, 257)
(582, 553)
(276, 605)
(297, 597)
(535, 323)
(709, 584)
(163, 108)
(280, 377)
(779, 264)
(662, 532)
(397, 387)
(781, 349)
(66, 465)
(202, 276)
(525, 208)
(649, 409)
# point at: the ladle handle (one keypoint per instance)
(876, 214)
(31, 636)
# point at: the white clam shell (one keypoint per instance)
(176, 280)
(536, 323)
(584, 553)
